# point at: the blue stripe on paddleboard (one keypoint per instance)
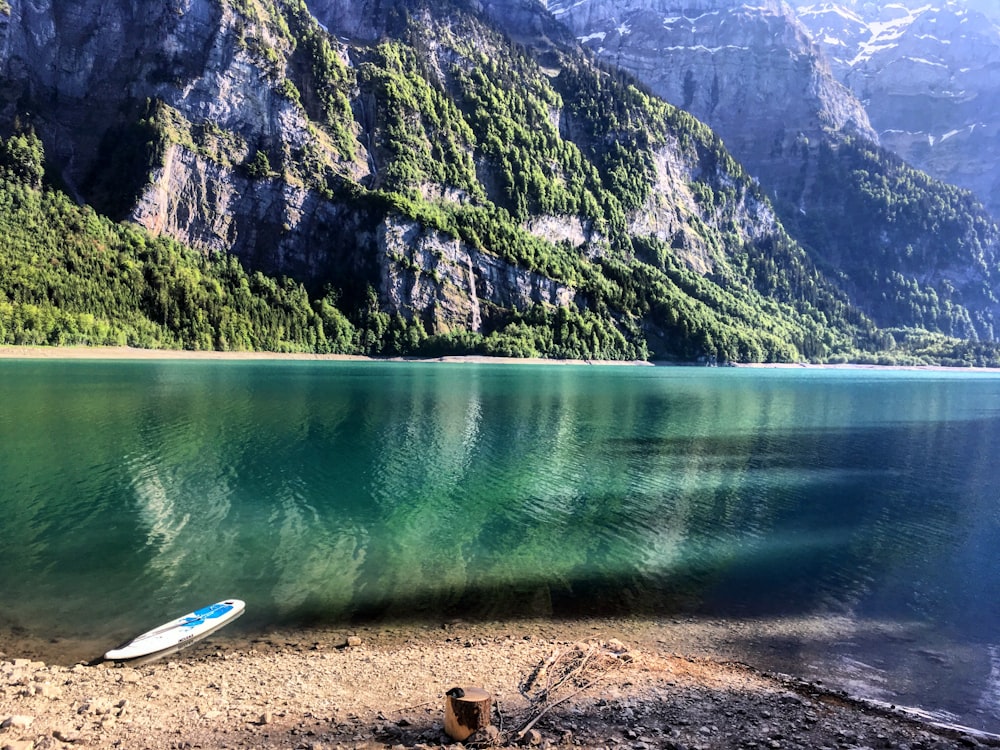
(206, 613)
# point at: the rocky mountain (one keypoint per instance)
(928, 74)
(464, 175)
(754, 73)
(749, 71)
(430, 176)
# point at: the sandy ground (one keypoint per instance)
(124, 352)
(583, 684)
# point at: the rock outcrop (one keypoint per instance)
(751, 72)
(425, 271)
(928, 75)
(82, 67)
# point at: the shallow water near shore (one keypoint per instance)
(840, 525)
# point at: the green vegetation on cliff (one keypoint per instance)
(915, 252)
(564, 175)
(74, 277)
(583, 144)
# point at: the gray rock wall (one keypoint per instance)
(749, 71)
(929, 74)
(424, 270)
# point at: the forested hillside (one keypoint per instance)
(421, 186)
(913, 247)
(71, 276)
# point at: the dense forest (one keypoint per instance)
(917, 250)
(470, 138)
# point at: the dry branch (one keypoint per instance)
(573, 669)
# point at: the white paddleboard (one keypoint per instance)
(177, 634)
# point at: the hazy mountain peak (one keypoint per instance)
(927, 73)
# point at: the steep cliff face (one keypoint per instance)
(751, 72)
(429, 272)
(278, 227)
(464, 160)
(74, 68)
(85, 71)
(359, 20)
(928, 74)
(83, 77)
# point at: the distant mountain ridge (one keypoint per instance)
(754, 73)
(929, 76)
(751, 72)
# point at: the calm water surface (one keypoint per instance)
(326, 493)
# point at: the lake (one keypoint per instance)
(328, 493)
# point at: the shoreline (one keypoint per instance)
(14, 352)
(9, 351)
(656, 688)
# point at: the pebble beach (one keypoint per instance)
(385, 688)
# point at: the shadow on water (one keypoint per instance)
(737, 539)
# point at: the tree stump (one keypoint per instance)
(466, 711)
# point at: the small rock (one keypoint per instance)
(533, 738)
(353, 641)
(18, 721)
(266, 718)
(48, 690)
(130, 676)
(66, 735)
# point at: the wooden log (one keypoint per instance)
(466, 711)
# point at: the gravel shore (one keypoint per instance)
(581, 685)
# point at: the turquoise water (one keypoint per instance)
(346, 492)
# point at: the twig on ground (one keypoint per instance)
(581, 665)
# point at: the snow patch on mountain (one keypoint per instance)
(562, 7)
(929, 75)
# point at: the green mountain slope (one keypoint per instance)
(426, 186)
(915, 253)
(71, 276)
